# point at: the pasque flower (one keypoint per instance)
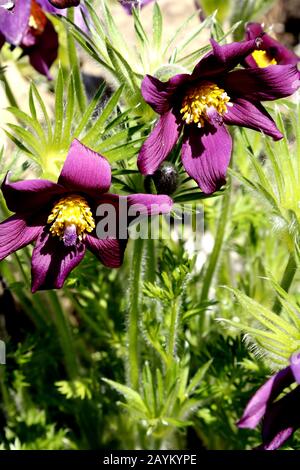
(60, 217)
(272, 52)
(281, 417)
(201, 103)
(24, 23)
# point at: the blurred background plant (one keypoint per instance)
(68, 382)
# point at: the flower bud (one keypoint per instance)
(64, 3)
(166, 179)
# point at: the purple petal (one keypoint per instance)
(46, 6)
(110, 251)
(150, 204)
(206, 154)
(295, 366)
(265, 84)
(257, 406)
(282, 418)
(274, 48)
(44, 51)
(223, 58)
(159, 143)
(17, 232)
(13, 23)
(85, 171)
(252, 115)
(52, 261)
(146, 204)
(128, 5)
(162, 95)
(30, 195)
(78, 19)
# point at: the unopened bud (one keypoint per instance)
(166, 179)
(64, 3)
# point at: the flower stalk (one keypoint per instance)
(215, 254)
(133, 319)
(173, 329)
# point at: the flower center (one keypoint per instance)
(201, 100)
(263, 59)
(70, 219)
(37, 19)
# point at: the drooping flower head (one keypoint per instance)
(272, 52)
(202, 103)
(61, 217)
(130, 4)
(25, 24)
(281, 417)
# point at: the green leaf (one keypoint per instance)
(59, 107)
(99, 126)
(157, 26)
(132, 397)
(89, 111)
(198, 377)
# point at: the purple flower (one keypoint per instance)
(280, 417)
(201, 103)
(130, 4)
(26, 25)
(60, 217)
(271, 53)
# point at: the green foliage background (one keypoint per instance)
(208, 336)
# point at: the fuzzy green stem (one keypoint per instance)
(214, 256)
(133, 320)
(65, 336)
(151, 261)
(286, 281)
(173, 329)
(74, 66)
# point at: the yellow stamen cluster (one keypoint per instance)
(199, 99)
(71, 211)
(263, 59)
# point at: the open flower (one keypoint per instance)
(201, 103)
(60, 217)
(272, 52)
(25, 24)
(280, 417)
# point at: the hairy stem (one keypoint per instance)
(286, 281)
(173, 329)
(65, 337)
(215, 254)
(136, 270)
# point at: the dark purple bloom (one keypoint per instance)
(280, 417)
(201, 103)
(60, 217)
(130, 4)
(271, 52)
(27, 26)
